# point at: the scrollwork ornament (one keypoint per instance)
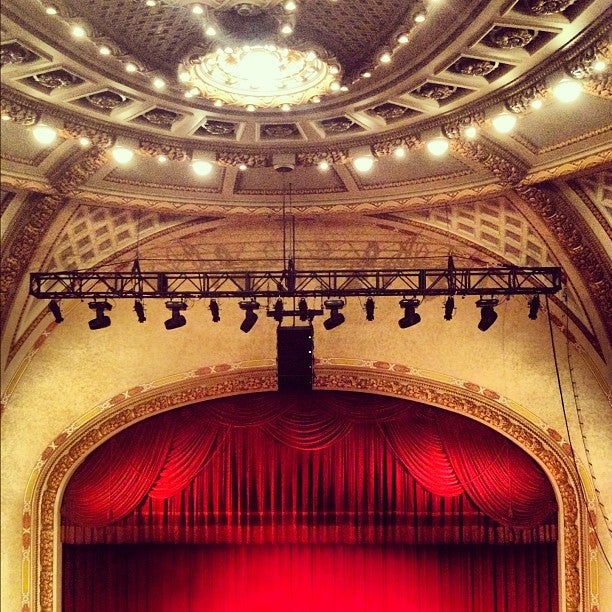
(251, 160)
(153, 149)
(506, 171)
(520, 102)
(313, 158)
(98, 138)
(385, 148)
(599, 85)
(511, 38)
(71, 178)
(583, 65)
(547, 7)
(19, 113)
(456, 128)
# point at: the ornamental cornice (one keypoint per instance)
(577, 238)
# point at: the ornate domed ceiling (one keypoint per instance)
(308, 85)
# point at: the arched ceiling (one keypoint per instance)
(539, 194)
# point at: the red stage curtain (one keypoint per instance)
(317, 467)
(298, 578)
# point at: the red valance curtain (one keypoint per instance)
(317, 467)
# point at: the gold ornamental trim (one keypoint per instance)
(41, 560)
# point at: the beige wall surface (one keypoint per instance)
(75, 370)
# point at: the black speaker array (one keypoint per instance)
(295, 348)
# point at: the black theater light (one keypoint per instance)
(54, 307)
(214, 311)
(140, 311)
(101, 321)
(303, 309)
(278, 310)
(177, 319)
(369, 308)
(411, 316)
(534, 306)
(449, 308)
(488, 316)
(250, 316)
(335, 318)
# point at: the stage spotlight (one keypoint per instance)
(369, 308)
(449, 308)
(303, 309)
(54, 307)
(101, 321)
(177, 319)
(140, 311)
(488, 316)
(411, 317)
(335, 318)
(214, 311)
(278, 310)
(534, 306)
(250, 316)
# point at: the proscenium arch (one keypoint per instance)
(41, 519)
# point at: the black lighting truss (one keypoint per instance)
(291, 282)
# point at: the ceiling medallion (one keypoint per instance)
(261, 75)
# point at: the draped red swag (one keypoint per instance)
(296, 474)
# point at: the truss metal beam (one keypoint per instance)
(511, 280)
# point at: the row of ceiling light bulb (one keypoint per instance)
(385, 56)
(566, 90)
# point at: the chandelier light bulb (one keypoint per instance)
(44, 134)
(504, 122)
(438, 146)
(567, 90)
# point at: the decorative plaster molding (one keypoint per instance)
(41, 516)
(582, 247)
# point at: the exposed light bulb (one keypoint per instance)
(364, 163)
(599, 65)
(78, 31)
(130, 67)
(385, 58)
(218, 103)
(290, 6)
(202, 167)
(250, 108)
(323, 165)
(210, 31)
(44, 134)
(536, 103)
(51, 10)
(196, 9)
(84, 141)
(286, 107)
(366, 74)
(419, 17)
(567, 90)
(286, 28)
(183, 76)
(122, 155)
(242, 167)
(504, 122)
(104, 50)
(162, 159)
(399, 152)
(402, 39)
(159, 83)
(470, 132)
(438, 146)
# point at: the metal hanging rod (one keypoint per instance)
(290, 282)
